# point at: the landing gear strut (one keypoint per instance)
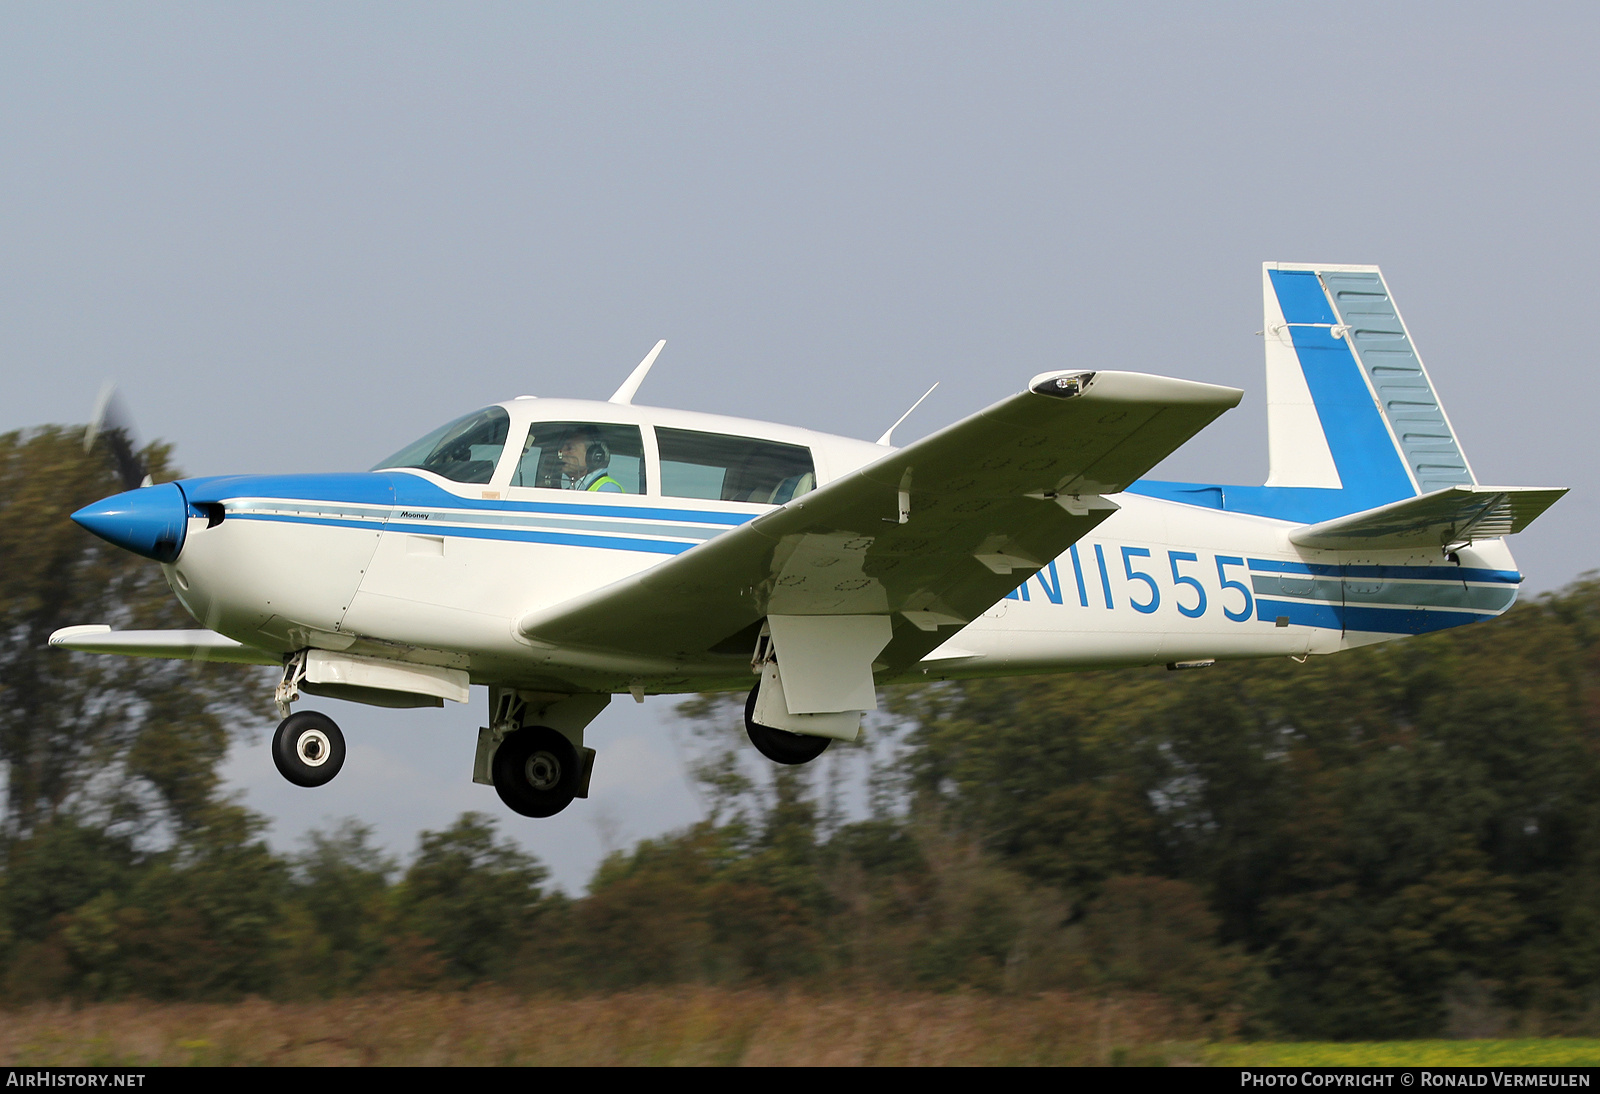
(777, 745)
(308, 748)
(536, 771)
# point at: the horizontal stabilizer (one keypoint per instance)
(1453, 515)
(172, 645)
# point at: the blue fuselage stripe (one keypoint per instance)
(567, 539)
(1302, 613)
(1401, 621)
(399, 489)
(1391, 573)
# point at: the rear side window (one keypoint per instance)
(724, 468)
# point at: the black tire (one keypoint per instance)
(308, 748)
(777, 745)
(536, 772)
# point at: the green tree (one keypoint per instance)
(477, 898)
(133, 740)
(645, 919)
(1376, 826)
(58, 869)
(1054, 775)
(333, 936)
(199, 921)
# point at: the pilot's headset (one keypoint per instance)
(595, 455)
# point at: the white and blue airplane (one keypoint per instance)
(563, 551)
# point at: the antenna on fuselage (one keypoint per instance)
(887, 433)
(624, 394)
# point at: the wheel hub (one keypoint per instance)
(543, 771)
(313, 748)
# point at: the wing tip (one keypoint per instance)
(1144, 387)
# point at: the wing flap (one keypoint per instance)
(916, 531)
(1454, 514)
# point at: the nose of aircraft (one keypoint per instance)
(150, 521)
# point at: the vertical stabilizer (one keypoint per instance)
(1349, 403)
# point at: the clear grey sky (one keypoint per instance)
(302, 235)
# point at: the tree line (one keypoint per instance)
(1394, 841)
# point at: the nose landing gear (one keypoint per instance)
(308, 748)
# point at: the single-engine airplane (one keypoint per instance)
(563, 551)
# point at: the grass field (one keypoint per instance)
(696, 1026)
(1524, 1052)
(693, 1026)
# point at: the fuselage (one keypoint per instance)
(562, 552)
(412, 564)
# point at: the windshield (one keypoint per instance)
(465, 450)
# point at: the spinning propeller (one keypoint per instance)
(113, 424)
(147, 520)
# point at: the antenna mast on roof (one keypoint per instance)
(624, 394)
(887, 433)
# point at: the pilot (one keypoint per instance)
(584, 462)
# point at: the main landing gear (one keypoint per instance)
(777, 745)
(536, 771)
(532, 750)
(308, 748)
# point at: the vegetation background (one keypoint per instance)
(1396, 842)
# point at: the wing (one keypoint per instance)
(172, 645)
(931, 534)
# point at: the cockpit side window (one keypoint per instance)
(725, 468)
(594, 457)
(465, 450)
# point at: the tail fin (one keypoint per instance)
(1349, 404)
(1362, 452)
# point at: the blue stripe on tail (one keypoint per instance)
(1370, 467)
